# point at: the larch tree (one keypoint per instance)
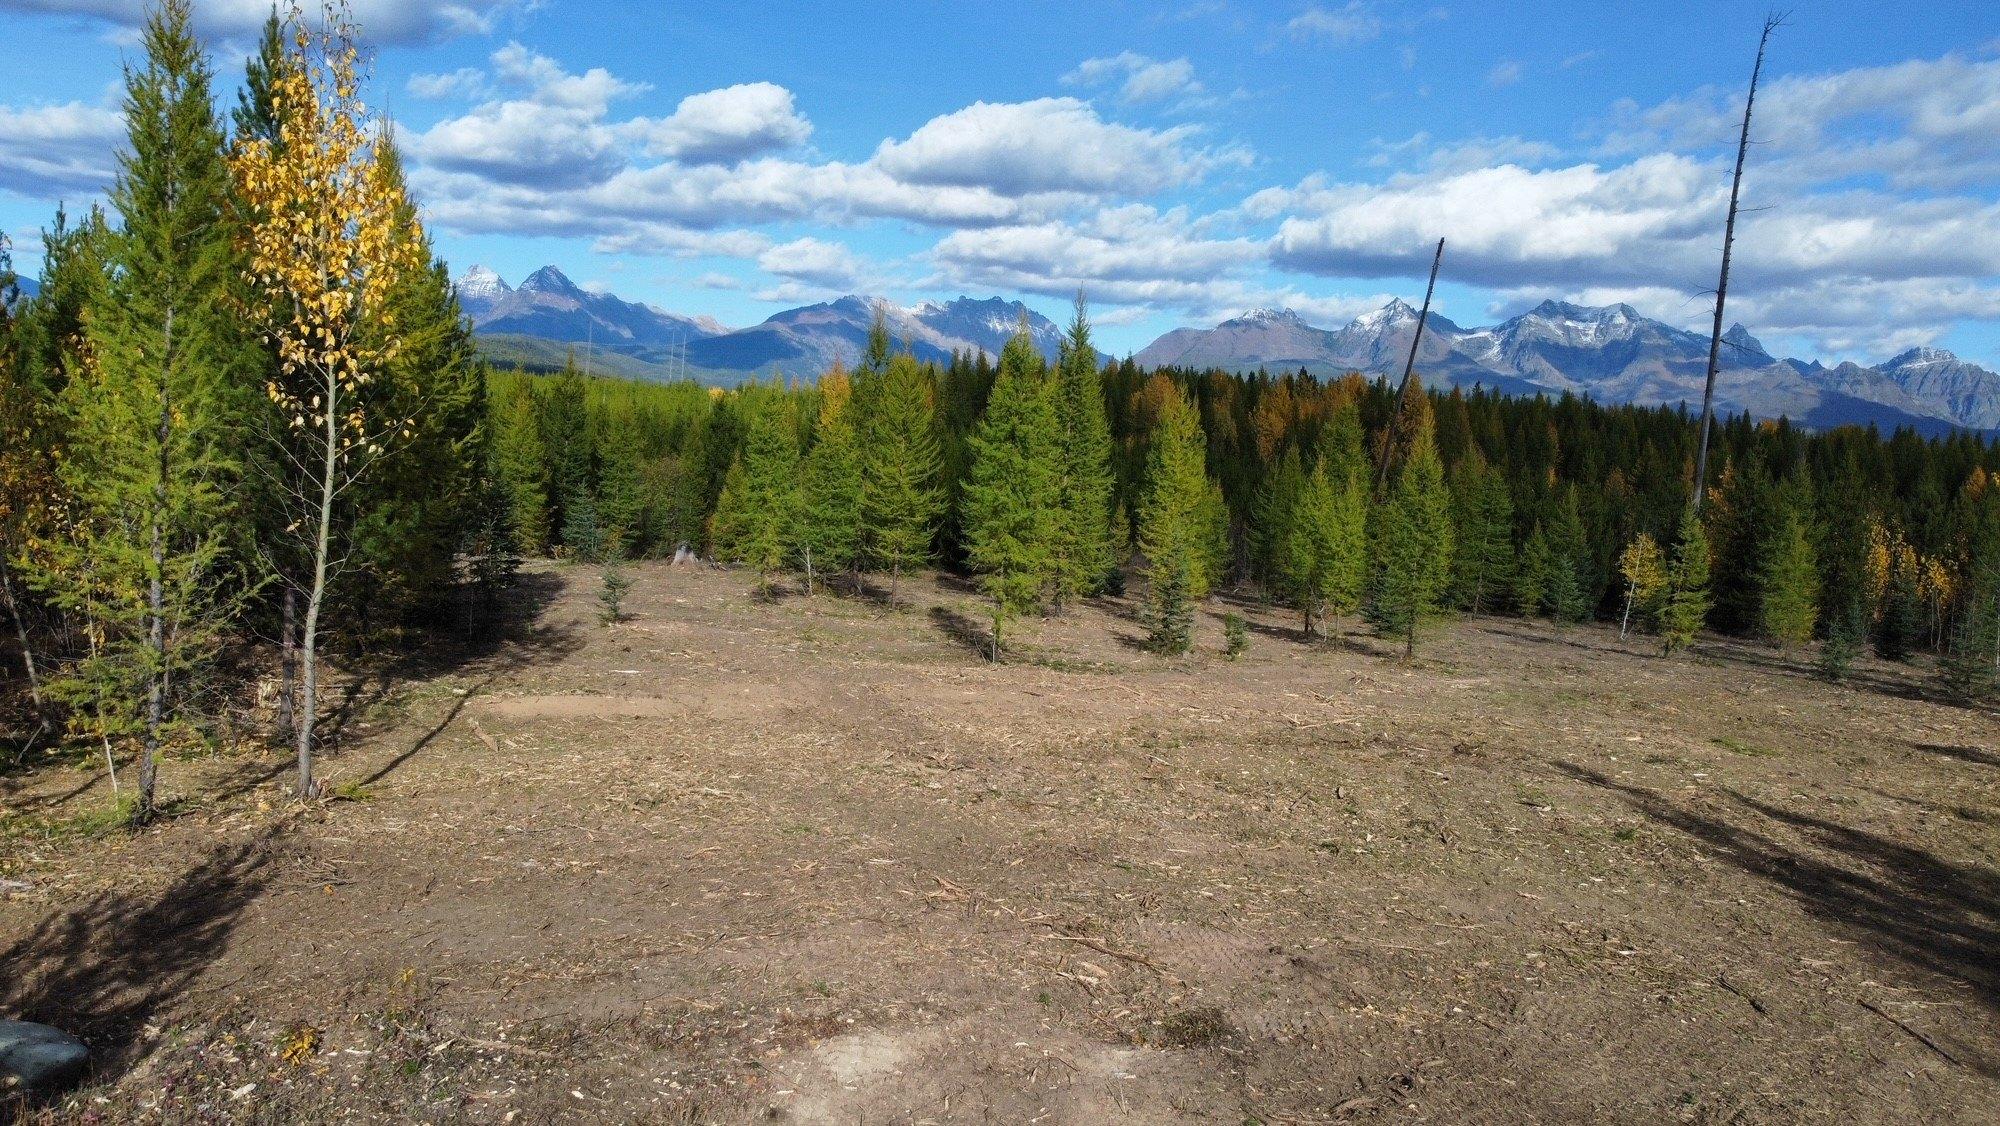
(1685, 607)
(1174, 522)
(154, 411)
(764, 525)
(900, 498)
(1788, 582)
(829, 512)
(325, 255)
(1084, 555)
(1014, 490)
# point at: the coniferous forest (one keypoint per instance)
(243, 417)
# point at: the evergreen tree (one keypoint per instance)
(1084, 555)
(1532, 577)
(1569, 595)
(621, 485)
(767, 519)
(1788, 581)
(1483, 563)
(155, 413)
(520, 466)
(900, 501)
(563, 411)
(1415, 541)
(256, 114)
(1014, 493)
(1899, 628)
(583, 532)
(830, 490)
(1685, 609)
(1174, 535)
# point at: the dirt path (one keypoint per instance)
(812, 860)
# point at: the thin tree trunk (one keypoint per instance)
(809, 570)
(21, 632)
(1625, 623)
(1722, 285)
(1409, 368)
(156, 595)
(288, 665)
(308, 715)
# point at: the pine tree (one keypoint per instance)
(1083, 543)
(767, 519)
(830, 489)
(1014, 492)
(583, 536)
(1415, 541)
(1685, 609)
(900, 501)
(154, 414)
(1174, 531)
(1788, 582)
(621, 484)
(563, 417)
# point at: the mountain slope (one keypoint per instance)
(1612, 354)
(536, 324)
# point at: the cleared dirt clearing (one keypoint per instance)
(812, 859)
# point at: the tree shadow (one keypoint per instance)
(105, 968)
(975, 636)
(427, 738)
(1974, 755)
(1928, 913)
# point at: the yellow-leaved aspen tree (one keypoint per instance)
(324, 253)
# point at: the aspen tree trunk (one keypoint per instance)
(309, 641)
(1625, 623)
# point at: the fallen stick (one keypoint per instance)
(1920, 1037)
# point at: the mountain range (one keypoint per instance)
(548, 317)
(1611, 354)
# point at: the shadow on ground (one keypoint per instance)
(1929, 913)
(105, 968)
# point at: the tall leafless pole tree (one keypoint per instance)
(1771, 24)
(1409, 367)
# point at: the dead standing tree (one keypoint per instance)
(1409, 367)
(1771, 24)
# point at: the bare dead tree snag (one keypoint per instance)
(1409, 368)
(1771, 24)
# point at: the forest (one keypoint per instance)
(243, 434)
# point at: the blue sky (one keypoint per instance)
(1178, 164)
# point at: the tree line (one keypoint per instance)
(244, 413)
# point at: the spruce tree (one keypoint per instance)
(1788, 582)
(1569, 595)
(1685, 609)
(155, 413)
(829, 511)
(1415, 545)
(1174, 514)
(1084, 555)
(1014, 491)
(900, 500)
(1483, 564)
(1531, 577)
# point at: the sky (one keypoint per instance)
(1178, 164)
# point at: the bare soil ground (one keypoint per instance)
(812, 860)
